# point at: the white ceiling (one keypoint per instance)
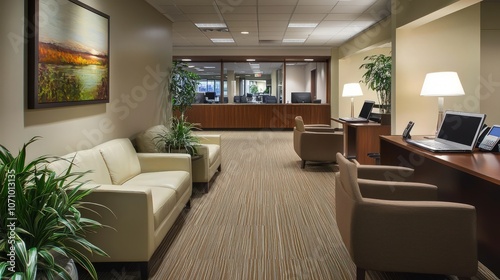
(267, 21)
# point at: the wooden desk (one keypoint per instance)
(246, 115)
(471, 178)
(362, 138)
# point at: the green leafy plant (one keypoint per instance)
(378, 77)
(40, 218)
(179, 138)
(182, 87)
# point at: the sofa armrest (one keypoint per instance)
(209, 139)
(397, 190)
(154, 162)
(131, 222)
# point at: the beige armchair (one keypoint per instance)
(316, 144)
(412, 233)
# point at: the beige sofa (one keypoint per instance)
(204, 168)
(146, 193)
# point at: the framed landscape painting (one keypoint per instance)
(68, 54)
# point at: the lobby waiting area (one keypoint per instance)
(250, 139)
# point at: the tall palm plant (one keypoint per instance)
(378, 78)
(182, 87)
(40, 218)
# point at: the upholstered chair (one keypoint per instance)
(316, 146)
(401, 228)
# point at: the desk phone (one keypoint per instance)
(490, 141)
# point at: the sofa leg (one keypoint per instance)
(303, 164)
(207, 187)
(188, 204)
(360, 274)
(143, 266)
(219, 168)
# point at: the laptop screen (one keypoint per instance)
(461, 127)
(366, 109)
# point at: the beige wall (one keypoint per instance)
(451, 43)
(489, 82)
(139, 56)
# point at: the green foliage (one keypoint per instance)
(45, 208)
(56, 86)
(378, 77)
(182, 86)
(254, 89)
(179, 137)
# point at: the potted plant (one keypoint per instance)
(40, 219)
(378, 78)
(179, 136)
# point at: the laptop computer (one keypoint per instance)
(458, 132)
(364, 114)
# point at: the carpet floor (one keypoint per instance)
(263, 218)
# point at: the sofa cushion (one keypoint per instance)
(213, 153)
(83, 161)
(146, 142)
(179, 181)
(164, 200)
(121, 159)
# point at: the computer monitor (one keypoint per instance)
(301, 97)
(210, 95)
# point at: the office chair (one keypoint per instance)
(399, 227)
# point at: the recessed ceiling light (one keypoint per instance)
(211, 25)
(294, 40)
(222, 40)
(245, 32)
(209, 67)
(308, 59)
(302, 25)
(191, 66)
(186, 59)
(250, 59)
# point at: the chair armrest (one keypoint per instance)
(153, 162)
(385, 173)
(209, 139)
(397, 190)
(424, 236)
(326, 129)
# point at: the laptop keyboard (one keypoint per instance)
(434, 144)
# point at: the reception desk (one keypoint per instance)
(471, 178)
(252, 116)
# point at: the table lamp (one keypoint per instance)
(351, 90)
(441, 84)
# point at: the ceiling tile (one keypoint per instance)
(313, 9)
(246, 23)
(277, 2)
(349, 17)
(307, 17)
(198, 9)
(271, 24)
(282, 9)
(317, 2)
(351, 9)
(274, 17)
(241, 17)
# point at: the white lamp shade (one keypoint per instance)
(351, 90)
(442, 84)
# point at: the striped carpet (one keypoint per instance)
(264, 218)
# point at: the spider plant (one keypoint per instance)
(40, 218)
(179, 137)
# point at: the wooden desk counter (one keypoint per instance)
(248, 115)
(471, 178)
